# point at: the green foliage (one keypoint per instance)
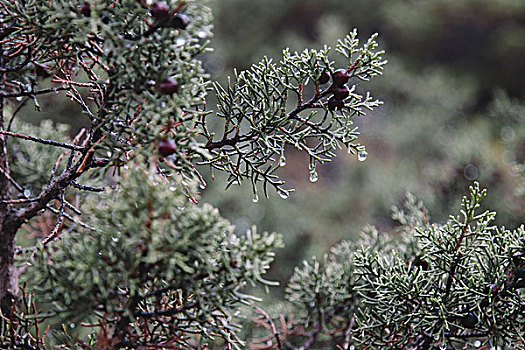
(257, 101)
(33, 162)
(154, 270)
(112, 61)
(459, 283)
(154, 259)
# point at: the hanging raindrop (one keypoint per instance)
(314, 176)
(282, 161)
(255, 198)
(361, 156)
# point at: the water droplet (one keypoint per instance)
(470, 172)
(180, 41)
(126, 167)
(108, 153)
(477, 343)
(255, 198)
(114, 239)
(283, 195)
(202, 185)
(361, 156)
(314, 176)
(27, 192)
(181, 208)
(282, 161)
(72, 325)
(19, 98)
(173, 188)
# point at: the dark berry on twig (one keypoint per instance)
(160, 10)
(324, 77)
(85, 9)
(340, 93)
(334, 103)
(469, 321)
(168, 86)
(179, 21)
(422, 264)
(340, 77)
(167, 147)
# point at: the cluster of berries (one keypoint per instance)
(159, 10)
(339, 90)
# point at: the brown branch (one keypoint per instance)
(454, 263)
(165, 312)
(33, 93)
(43, 141)
(292, 115)
(276, 334)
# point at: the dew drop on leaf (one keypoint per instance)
(255, 198)
(361, 156)
(282, 161)
(283, 194)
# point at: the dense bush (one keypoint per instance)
(103, 244)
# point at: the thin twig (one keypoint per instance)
(33, 93)
(272, 326)
(43, 141)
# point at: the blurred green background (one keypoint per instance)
(451, 116)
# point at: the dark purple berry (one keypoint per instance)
(340, 77)
(168, 86)
(179, 21)
(422, 264)
(85, 9)
(340, 93)
(469, 321)
(334, 103)
(167, 147)
(517, 258)
(324, 77)
(160, 10)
